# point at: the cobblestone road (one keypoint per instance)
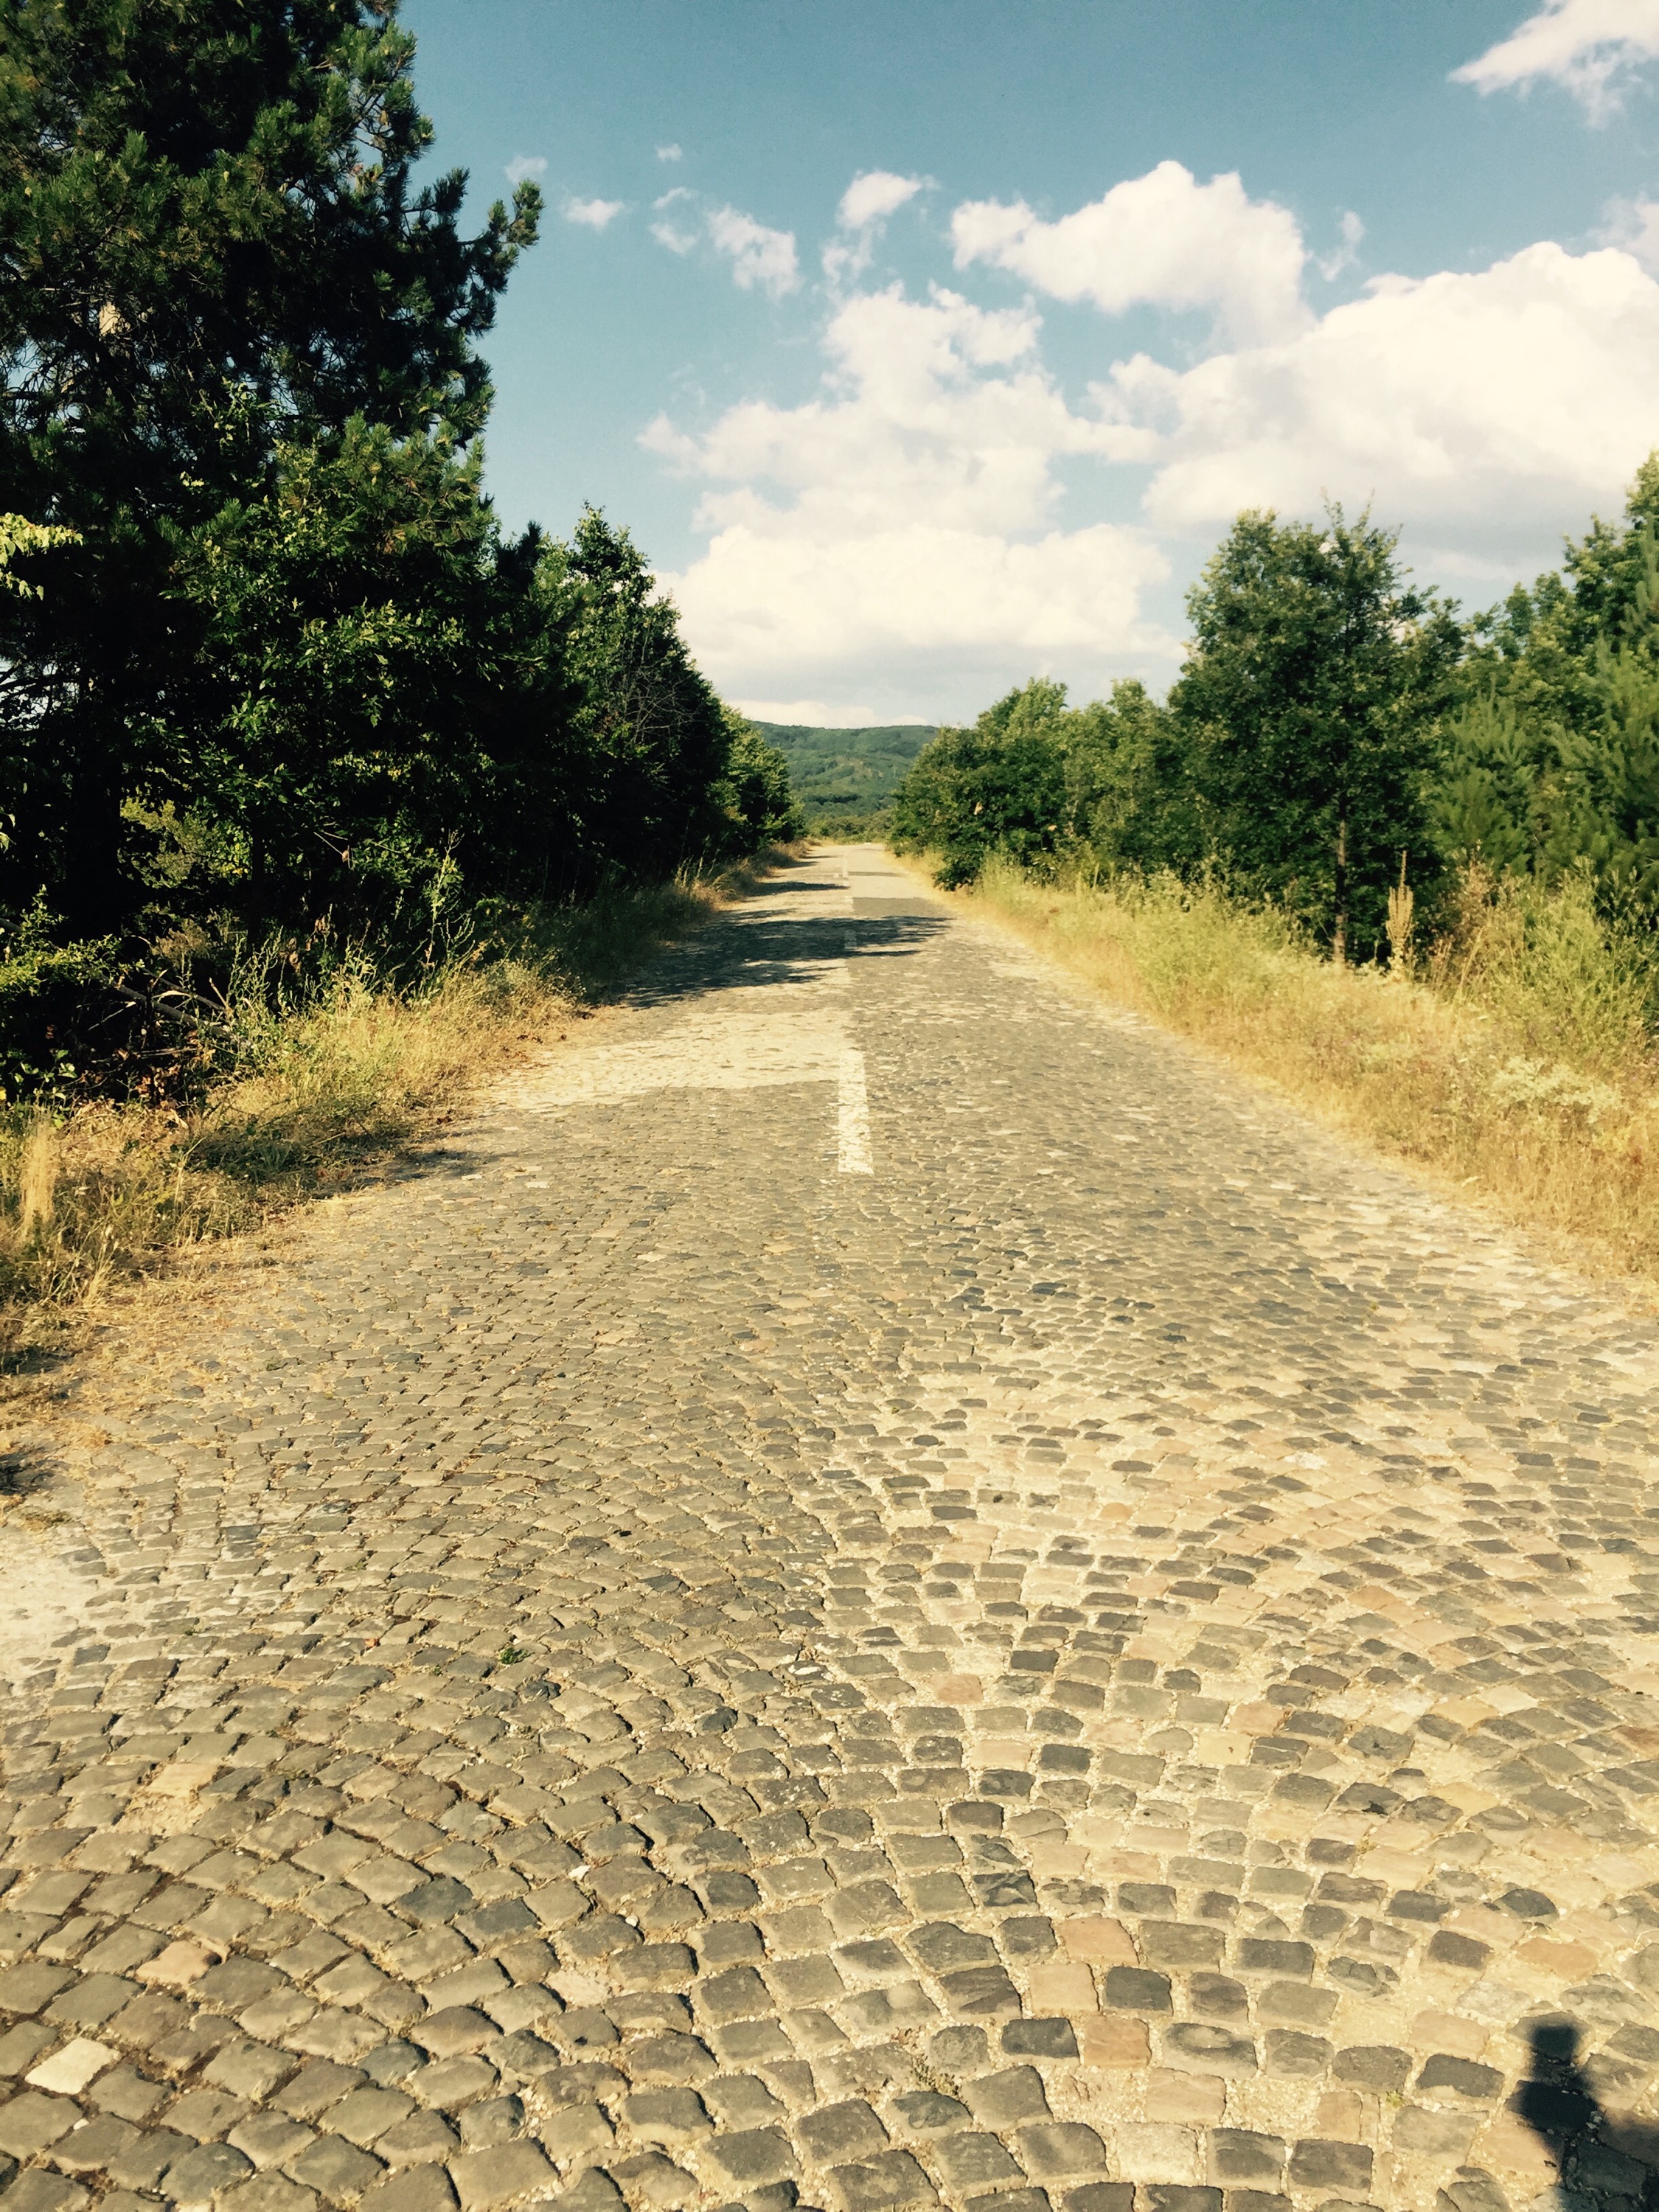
(879, 1588)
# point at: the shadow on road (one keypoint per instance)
(1601, 2160)
(761, 954)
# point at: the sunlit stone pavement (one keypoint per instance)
(879, 1586)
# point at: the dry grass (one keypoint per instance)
(1515, 1059)
(327, 1087)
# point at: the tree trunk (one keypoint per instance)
(92, 892)
(1340, 930)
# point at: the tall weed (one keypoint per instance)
(321, 1065)
(1516, 1059)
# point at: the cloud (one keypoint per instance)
(759, 257)
(928, 528)
(526, 165)
(1331, 266)
(1633, 224)
(1162, 240)
(1588, 46)
(811, 713)
(1486, 411)
(669, 234)
(865, 207)
(873, 195)
(595, 213)
(901, 528)
(670, 154)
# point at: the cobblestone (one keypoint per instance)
(1095, 1656)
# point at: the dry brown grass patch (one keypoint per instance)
(1516, 1060)
(329, 1088)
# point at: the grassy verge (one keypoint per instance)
(1515, 1059)
(327, 1081)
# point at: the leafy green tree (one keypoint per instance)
(212, 246)
(1310, 706)
(1486, 804)
(756, 790)
(1129, 801)
(1614, 575)
(382, 692)
(265, 654)
(1607, 823)
(1551, 762)
(651, 723)
(998, 787)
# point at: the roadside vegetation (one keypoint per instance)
(1516, 1059)
(318, 785)
(1406, 866)
(317, 1079)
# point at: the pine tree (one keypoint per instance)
(211, 253)
(652, 727)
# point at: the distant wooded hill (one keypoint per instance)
(847, 775)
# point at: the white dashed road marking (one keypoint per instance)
(852, 1118)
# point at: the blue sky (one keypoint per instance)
(926, 347)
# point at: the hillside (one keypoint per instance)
(846, 775)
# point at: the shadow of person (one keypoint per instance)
(1602, 2161)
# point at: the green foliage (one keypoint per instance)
(1553, 757)
(845, 779)
(756, 789)
(266, 658)
(1037, 781)
(45, 988)
(1607, 825)
(380, 684)
(215, 250)
(649, 726)
(1332, 719)
(1614, 572)
(1128, 804)
(997, 787)
(19, 535)
(1310, 705)
(854, 829)
(1484, 806)
(1294, 755)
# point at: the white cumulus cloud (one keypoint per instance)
(671, 153)
(1486, 411)
(526, 165)
(865, 207)
(931, 525)
(595, 215)
(1588, 46)
(1331, 266)
(671, 234)
(903, 526)
(1162, 240)
(760, 258)
(812, 713)
(872, 197)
